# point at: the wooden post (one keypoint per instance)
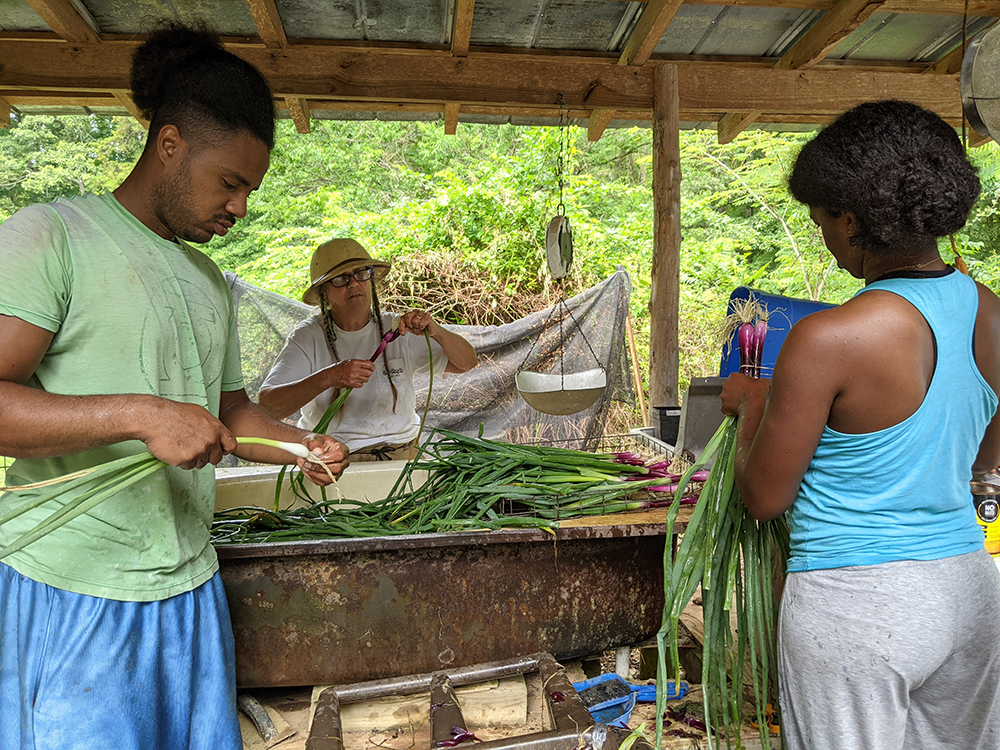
(664, 298)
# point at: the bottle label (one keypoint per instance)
(988, 517)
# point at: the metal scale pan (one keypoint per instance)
(559, 392)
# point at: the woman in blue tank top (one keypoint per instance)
(879, 414)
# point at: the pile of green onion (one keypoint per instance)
(472, 483)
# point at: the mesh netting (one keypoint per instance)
(486, 395)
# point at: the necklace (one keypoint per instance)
(914, 267)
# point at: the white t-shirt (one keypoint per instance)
(367, 417)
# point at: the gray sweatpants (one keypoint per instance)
(902, 655)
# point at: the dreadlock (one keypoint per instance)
(331, 332)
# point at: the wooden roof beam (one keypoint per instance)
(598, 122)
(952, 62)
(386, 76)
(125, 99)
(4, 113)
(298, 110)
(461, 27)
(646, 34)
(838, 22)
(976, 8)
(974, 140)
(451, 118)
(269, 26)
(653, 22)
(63, 18)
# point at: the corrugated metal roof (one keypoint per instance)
(896, 36)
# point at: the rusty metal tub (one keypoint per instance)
(344, 611)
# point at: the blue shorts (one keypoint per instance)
(80, 672)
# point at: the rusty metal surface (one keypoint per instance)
(425, 541)
(345, 611)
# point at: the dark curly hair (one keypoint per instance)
(900, 169)
(182, 75)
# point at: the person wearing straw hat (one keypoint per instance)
(331, 351)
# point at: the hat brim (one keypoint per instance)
(380, 268)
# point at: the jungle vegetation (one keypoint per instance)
(462, 217)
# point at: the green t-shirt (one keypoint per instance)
(131, 313)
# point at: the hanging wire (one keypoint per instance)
(563, 151)
(959, 261)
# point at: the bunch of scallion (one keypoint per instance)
(472, 483)
(731, 556)
(95, 485)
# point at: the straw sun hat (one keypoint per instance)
(337, 257)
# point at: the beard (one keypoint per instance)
(174, 205)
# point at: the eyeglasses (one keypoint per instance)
(362, 274)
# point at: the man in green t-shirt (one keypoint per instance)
(117, 337)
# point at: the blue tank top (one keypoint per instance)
(902, 493)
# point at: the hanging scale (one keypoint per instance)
(561, 392)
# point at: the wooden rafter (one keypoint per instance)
(382, 77)
(451, 118)
(655, 19)
(950, 63)
(598, 122)
(837, 23)
(461, 27)
(125, 99)
(63, 18)
(298, 110)
(973, 139)
(639, 45)
(269, 26)
(976, 8)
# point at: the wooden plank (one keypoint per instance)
(657, 515)
(950, 63)
(125, 99)
(974, 140)
(664, 298)
(838, 22)
(387, 76)
(597, 123)
(4, 113)
(54, 99)
(461, 27)
(655, 19)
(298, 110)
(63, 18)
(451, 118)
(918, 7)
(843, 18)
(265, 15)
(733, 123)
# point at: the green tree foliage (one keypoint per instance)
(463, 217)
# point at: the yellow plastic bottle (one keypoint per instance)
(986, 498)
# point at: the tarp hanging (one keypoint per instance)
(486, 394)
